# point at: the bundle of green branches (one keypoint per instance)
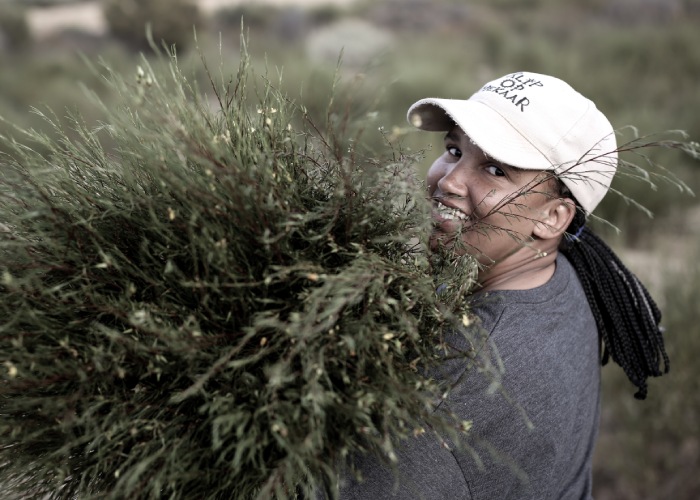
(208, 296)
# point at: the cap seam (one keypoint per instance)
(572, 127)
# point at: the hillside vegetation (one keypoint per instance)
(639, 60)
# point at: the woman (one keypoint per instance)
(526, 160)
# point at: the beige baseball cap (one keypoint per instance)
(536, 122)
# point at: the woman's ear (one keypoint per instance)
(557, 214)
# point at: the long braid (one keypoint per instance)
(626, 315)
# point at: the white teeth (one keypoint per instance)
(450, 213)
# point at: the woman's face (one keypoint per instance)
(491, 207)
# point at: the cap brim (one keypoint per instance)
(496, 137)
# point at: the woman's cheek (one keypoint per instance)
(434, 174)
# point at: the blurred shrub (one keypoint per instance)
(357, 40)
(291, 25)
(651, 449)
(418, 16)
(636, 11)
(278, 24)
(14, 30)
(637, 83)
(254, 17)
(661, 200)
(171, 21)
(520, 4)
(51, 79)
(45, 3)
(325, 14)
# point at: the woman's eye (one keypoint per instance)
(454, 151)
(495, 170)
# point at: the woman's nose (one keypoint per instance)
(453, 182)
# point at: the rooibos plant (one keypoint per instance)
(222, 303)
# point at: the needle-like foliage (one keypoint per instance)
(209, 297)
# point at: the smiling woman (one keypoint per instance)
(527, 159)
(508, 217)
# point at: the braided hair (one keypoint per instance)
(626, 316)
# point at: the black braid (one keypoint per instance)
(626, 315)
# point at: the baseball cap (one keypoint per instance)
(535, 122)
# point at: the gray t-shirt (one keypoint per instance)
(534, 438)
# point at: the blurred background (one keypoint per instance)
(639, 60)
